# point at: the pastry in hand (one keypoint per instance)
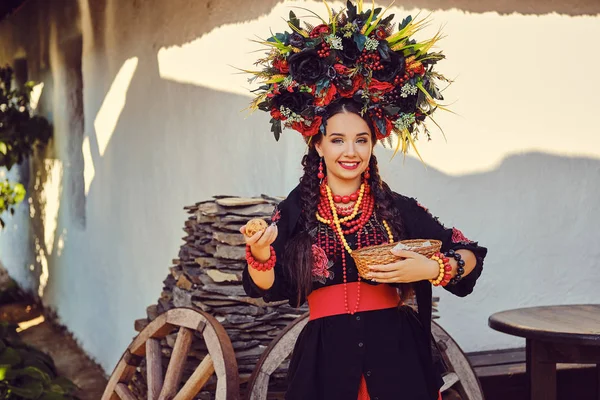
(255, 225)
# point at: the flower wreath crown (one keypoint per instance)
(355, 55)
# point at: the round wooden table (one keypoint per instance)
(554, 334)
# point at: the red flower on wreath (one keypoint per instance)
(307, 130)
(383, 87)
(276, 114)
(388, 129)
(325, 99)
(281, 65)
(381, 33)
(319, 30)
(356, 84)
(341, 69)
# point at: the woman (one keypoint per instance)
(361, 341)
(388, 348)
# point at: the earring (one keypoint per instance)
(321, 175)
(367, 174)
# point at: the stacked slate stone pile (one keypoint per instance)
(208, 276)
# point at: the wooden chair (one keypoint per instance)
(460, 379)
(220, 359)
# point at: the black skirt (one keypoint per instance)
(389, 347)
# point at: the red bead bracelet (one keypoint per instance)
(264, 266)
(445, 274)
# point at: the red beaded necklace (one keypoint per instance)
(348, 225)
(337, 198)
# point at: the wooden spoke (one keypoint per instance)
(154, 368)
(197, 380)
(220, 359)
(122, 373)
(175, 368)
(123, 392)
(449, 380)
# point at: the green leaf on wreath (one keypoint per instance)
(294, 20)
(360, 41)
(405, 22)
(276, 128)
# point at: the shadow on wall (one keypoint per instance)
(537, 203)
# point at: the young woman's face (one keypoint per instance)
(346, 147)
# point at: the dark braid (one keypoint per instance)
(298, 253)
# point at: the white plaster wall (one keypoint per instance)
(161, 128)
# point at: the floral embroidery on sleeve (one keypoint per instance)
(458, 237)
(321, 265)
(276, 216)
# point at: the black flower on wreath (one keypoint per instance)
(350, 52)
(393, 66)
(297, 40)
(297, 101)
(407, 104)
(307, 67)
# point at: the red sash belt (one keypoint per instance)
(329, 300)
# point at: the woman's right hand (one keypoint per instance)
(262, 239)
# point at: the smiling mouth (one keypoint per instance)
(349, 165)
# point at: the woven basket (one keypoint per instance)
(381, 255)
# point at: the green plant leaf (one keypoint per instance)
(4, 369)
(31, 390)
(10, 357)
(3, 148)
(54, 396)
(20, 192)
(65, 384)
(33, 357)
(31, 372)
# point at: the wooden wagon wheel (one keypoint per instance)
(277, 351)
(220, 359)
(461, 373)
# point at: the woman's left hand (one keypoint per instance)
(413, 268)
